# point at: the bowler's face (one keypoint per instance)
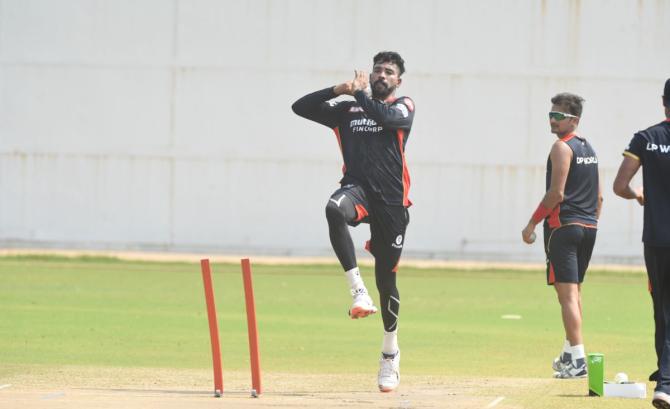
(384, 79)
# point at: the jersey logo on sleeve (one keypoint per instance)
(403, 110)
(409, 103)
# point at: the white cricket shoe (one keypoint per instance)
(388, 377)
(561, 361)
(661, 400)
(362, 306)
(572, 371)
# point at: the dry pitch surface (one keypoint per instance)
(133, 388)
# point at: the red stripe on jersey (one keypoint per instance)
(405, 172)
(554, 217)
(568, 137)
(339, 142)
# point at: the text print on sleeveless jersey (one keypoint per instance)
(586, 160)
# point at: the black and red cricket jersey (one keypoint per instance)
(580, 197)
(652, 148)
(372, 136)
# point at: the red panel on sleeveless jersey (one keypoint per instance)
(568, 137)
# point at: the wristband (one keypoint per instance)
(540, 213)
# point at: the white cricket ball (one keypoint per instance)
(621, 378)
(533, 236)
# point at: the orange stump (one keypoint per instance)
(254, 354)
(213, 327)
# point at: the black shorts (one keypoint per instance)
(568, 249)
(388, 224)
(358, 197)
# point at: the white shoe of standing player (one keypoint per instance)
(572, 370)
(388, 377)
(561, 361)
(661, 400)
(362, 306)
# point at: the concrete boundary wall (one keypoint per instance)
(166, 125)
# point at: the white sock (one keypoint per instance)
(577, 352)
(390, 344)
(566, 347)
(354, 279)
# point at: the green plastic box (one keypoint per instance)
(596, 367)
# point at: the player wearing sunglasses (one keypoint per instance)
(570, 209)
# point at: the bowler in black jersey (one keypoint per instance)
(372, 131)
(570, 210)
(650, 149)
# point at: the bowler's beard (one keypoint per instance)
(381, 91)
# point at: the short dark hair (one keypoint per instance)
(392, 57)
(570, 102)
(666, 94)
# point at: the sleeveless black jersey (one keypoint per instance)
(580, 199)
(652, 148)
(372, 136)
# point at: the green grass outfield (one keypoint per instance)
(107, 312)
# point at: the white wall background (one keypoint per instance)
(166, 125)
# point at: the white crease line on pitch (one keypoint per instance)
(5, 386)
(53, 395)
(495, 402)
